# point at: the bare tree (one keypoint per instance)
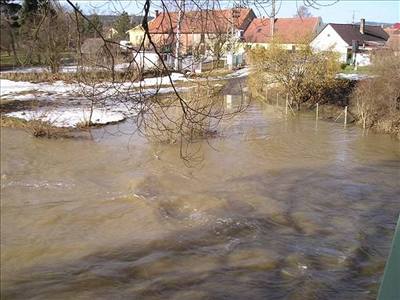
(377, 100)
(45, 34)
(182, 117)
(303, 12)
(9, 27)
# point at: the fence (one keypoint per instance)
(289, 107)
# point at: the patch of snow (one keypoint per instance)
(63, 69)
(72, 109)
(122, 67)
(8, 87)
(23, 97)
(160, 80)
(353, 76)
(239, 73)
(27, 70)
(70, 117)
(75, 114)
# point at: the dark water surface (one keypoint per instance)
(280, 209)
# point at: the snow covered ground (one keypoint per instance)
(9, 87)
(353, 76)
(71, 107)
(239, 73)
(68, 107)
(70, 117)
(63, 69)
(12, 88)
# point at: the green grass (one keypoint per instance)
(360, 70)
(8, 61)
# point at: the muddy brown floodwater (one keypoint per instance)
(280, 209)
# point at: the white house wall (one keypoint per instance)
(329, 39)
(147, 60)
(243, 46)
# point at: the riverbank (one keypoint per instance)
(66, 104)
(333, 106)
(71, 104)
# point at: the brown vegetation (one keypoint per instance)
(166, 121)
(36, 128)
(307, 77)
(376, 101)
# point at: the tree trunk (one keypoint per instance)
(13, 47)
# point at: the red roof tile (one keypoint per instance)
(394, 37)
(287, 30)
(204, 21)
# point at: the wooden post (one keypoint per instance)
(345, 115)
(316, 115)
(287, 104)
(277, 99)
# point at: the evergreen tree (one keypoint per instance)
(10, 12)
(94, 26)
(122, 25)
(79, 21)
(30, 8)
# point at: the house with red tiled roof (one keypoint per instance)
(353, 42)
(394, 38)
(201, 28)
(287, 31)
(396, 26)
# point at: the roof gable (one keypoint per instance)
(138, 28)
(287, 30)
(202, 21)
(396, 26)
(350, 33)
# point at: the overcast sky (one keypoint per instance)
(340, 12)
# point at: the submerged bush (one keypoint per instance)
(305, 75)
(376, 101)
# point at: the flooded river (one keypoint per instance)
(277, 209)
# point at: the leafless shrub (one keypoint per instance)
(166, 121)
(376, 101)
(305, 75)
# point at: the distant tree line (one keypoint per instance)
(43, 32)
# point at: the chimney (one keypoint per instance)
(272, 19)
(157, 12)
(362, 26)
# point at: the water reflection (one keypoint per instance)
(277, 211)
(236, 102)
